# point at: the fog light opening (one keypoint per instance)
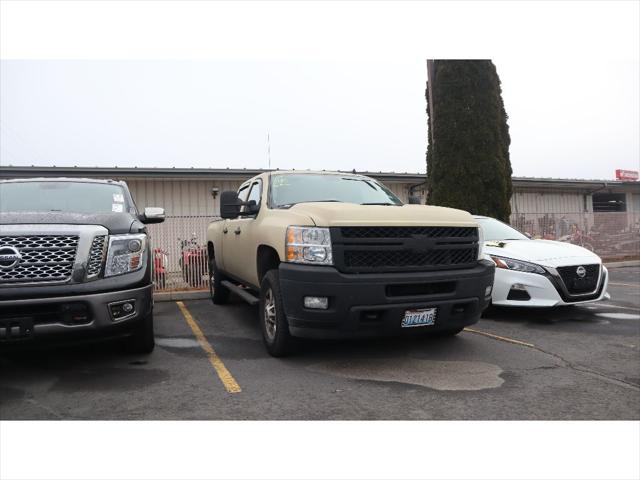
(487, 291)
(122, 310)
(316, 303)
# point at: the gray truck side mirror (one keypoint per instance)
(153, 215)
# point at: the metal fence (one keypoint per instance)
(180, 252)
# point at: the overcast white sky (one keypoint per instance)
(572, 114)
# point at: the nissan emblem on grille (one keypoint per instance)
(9, 257)
(581, 271)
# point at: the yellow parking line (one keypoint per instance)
(225, 376)
(498, 337)
(624, 284)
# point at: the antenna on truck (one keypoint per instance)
(269, 150)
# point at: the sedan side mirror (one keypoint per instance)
(153, 215)
(413, 200)
(528, 235)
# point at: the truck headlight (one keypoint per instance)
(480, 243)
(125, 254)
(517, 265)
(311, 245)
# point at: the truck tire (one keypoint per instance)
(143, 340)
(219, 293)
(273, 321)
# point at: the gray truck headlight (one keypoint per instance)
(311, 245)
(517, 265)
(125, 254)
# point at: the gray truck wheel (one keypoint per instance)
(219, 293)
(142, 340)
(273, 321)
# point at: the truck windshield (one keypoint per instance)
(76, 197)
(289, 189)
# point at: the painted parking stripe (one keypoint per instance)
(225, 376)
(498, 337)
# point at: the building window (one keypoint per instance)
(609, 202)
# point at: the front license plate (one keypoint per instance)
(419, 318)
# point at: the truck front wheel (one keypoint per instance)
(219, 293)
(142, 340)
(273, 321)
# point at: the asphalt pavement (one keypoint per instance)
(579, 362)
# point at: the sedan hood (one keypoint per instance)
(338, 214)
(548, 253)
(114, 222)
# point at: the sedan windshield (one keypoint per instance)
(289, 189)
(76, 197)
(496, 230)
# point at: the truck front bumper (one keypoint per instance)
(374, 304)
(73, 318)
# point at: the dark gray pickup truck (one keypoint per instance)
(75, 263)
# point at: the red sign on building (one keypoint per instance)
(626, 175)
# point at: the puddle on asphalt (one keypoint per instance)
(439, 375)
(620, 316)
(177, 342)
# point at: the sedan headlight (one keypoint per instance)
(311, 245)
(125, 254)
(517, 265)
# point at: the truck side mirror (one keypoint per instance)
(230, 204)
(152, 215)
(413, 200)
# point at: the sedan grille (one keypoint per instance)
(577, 284)
(399, 249)
(42, 258)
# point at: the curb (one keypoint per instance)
(627, 263)
(180, 295)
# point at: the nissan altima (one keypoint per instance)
(540, 273)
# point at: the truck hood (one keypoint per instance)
(114, 222)
(330, 214)
(548, 253)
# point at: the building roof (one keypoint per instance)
(10, 171)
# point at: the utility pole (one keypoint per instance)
(269, 150)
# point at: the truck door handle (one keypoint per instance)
(225, 230)
(237, 231)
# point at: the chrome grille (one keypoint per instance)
(43, 258)
(96, 255)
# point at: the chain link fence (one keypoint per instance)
(179, 251)
(180, 243)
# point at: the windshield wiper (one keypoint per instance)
(380, 203)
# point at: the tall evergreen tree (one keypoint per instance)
(468, 164)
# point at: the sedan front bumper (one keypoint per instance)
(544, 290)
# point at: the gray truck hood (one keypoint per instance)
(114, 222)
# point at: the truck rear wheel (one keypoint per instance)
(273, 321)
(219, 293)
(142, 340)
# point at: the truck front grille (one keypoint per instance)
(576, 284)
(43, 258)
(400, 249)
(96, 256)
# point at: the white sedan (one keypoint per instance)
(540, 273)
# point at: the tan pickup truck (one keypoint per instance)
(338, 255)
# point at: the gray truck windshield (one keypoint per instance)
(76, 197)
(289, 189)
